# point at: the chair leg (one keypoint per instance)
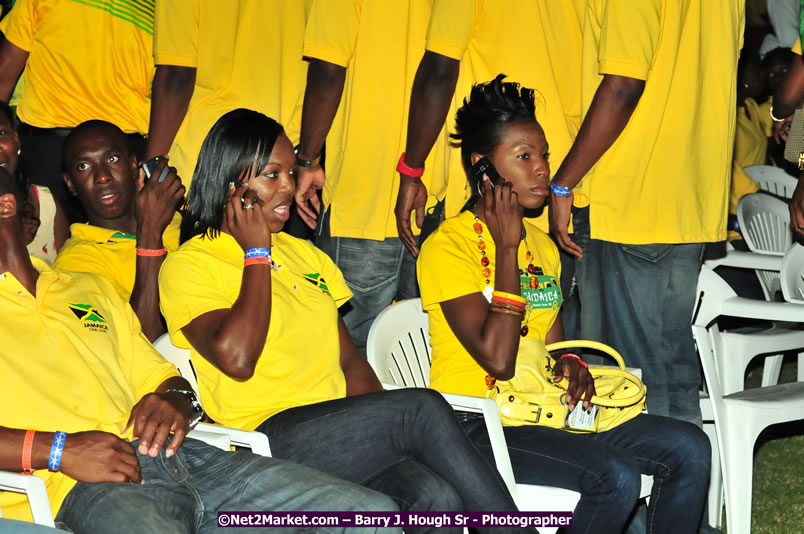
(715, 497)
(772, 370)
(800, 376)
(738, 460)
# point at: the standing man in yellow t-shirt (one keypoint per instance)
(654, 152)
(212, 57)
(82, 61)
(363, 57)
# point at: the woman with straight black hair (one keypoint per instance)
(259, 310)
(489, 283)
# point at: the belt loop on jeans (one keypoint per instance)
(27, 129)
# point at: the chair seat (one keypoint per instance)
(776, 397)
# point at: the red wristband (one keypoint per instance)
(151, 252)
(27, 446)
(574, 356)
(516, 303)
(403, 168)
(258, 260)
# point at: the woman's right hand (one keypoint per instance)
(247, 225)
(503, 216)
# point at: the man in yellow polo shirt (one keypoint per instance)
(80, 382)
(649, 173)
(363, 56)
(212, 57)
(127, 236)
(82, 60)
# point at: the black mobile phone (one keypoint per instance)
(238, 184)
(149, 166)
(485, 166)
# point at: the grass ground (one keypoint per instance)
(778, 488)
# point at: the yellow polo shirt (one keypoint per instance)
(73, 359)
(247, 54)
(380, 43)
(666, 178)
(536, 43)
(300, 363)
(108, 253)
(88, 60)
(449, 267)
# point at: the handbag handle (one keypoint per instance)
(602, 398)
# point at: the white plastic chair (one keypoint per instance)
(792, 274)
(34, 488)
(773, 180)
(765, 225)
(398, 349)
(740, 417)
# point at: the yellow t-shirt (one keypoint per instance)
(108, 253)
(73, 359)
(88, 60)
(753, 129)
(300, 363)
(666, 178)
(449, 267)
(536, 43)
(247, 54)
(380, 43)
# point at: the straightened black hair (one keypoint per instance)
(21, 175)
(238, 145)
(481, 121)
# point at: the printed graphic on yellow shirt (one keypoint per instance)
(317, 280)
(540, 290)
(89, 316)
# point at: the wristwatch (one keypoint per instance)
(306, 163)
(198, 411)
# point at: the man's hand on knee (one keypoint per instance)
(97, 456)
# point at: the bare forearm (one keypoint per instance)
(11, 443)
(789, 94)
(171, 93)
(322, 97)
(612, 106)
(430, 98)
(12, 62)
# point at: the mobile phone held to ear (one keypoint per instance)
(149, 166)
(238, 184)
(484, 166)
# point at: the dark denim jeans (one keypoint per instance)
(404, 443)
(377, 272)
(183, 494)
(605, 468)
(639, 299)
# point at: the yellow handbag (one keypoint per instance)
(532, 398)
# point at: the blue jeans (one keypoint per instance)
(377, 272)
(11, 526)
(184, 493)
(639, 299)
(404, 443)
(605, 468)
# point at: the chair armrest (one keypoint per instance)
(256, 441)
(491, 416)
(747, 260)
(34, 488)
(762, 310)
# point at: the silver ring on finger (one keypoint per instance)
(248, 206)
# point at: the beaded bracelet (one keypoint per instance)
(151, 252)
(258, 252)
(404, 168)
(54, 461)
(560, 190)
(509, 296)
(27, 446)
(504, 300)
(576, 357)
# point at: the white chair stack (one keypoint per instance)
(773, 180)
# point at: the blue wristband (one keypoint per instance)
(258, 253)
(560, 190)
(54, 462)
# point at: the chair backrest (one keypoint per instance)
(712, 292)
(792, 275)
(765, 225)
(398, 346)
(178, 357)
(773, 180)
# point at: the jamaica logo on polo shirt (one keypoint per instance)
(90, 317)
(317, 280)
